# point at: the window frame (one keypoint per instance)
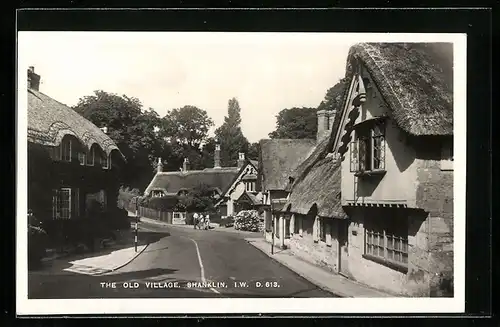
(385, 233)
(103, 159)
(66, 141)
(91, 156)
(82, 158)
(296, 226)
(366, 134)
(57, 202)
(322, 229)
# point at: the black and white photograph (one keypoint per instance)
(220, 172)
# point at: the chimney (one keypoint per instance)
(33, 79)
(217, 156)
(185, 165)
(331, 119)
(322, 123)
(159, 168)
(241, 159)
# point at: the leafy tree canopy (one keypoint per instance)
(295, 123)
(132, 129)
(230, 136)
(187, 125)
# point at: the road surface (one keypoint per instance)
(182, 263)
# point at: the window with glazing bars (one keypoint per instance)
(367, 150)
(388, 243)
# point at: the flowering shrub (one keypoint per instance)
(247, 220)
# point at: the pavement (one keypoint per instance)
(325, 280)
(179, 262)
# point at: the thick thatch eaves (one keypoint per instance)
(416, 81)
(320, 186)
(49, 121)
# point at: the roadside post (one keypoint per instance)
(272, 229)
(136, 224)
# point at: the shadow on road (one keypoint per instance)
(127, 241)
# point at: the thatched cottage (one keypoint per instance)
(234, 188)
(279, 159)
(71, 161)
(389, 166)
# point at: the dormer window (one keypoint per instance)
(105, 161)
(91, 157)
(368, 148)
(82, 157)
(66, 149)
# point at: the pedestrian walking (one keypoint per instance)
(195, 220)
(202, 222)
(207, 222)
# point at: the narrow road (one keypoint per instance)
(183, 263)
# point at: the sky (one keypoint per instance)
(266, 72)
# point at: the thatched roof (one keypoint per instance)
(279, 159)
(416, 81)
(174, 181)
(316, 180)
(49, 121)
(320, 186)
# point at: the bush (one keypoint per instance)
(126, 197)
(247, 220)
(166, 203)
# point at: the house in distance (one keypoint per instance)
(233, 188)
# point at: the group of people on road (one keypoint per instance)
(201, 222)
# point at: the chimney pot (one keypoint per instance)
(185, 165)
(241, 159)
(160, 166)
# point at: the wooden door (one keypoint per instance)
(343, 237)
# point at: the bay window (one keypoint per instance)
(368, 147)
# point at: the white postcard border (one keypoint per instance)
(456, 304)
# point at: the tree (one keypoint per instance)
(132, 129)
(187, 125)
(185, 131)
(230, 136)
(207, 153)
(295, 123)
(334, 96)
(253, 151)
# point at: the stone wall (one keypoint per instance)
(318, 253)
(364, 270)
(435, 196)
